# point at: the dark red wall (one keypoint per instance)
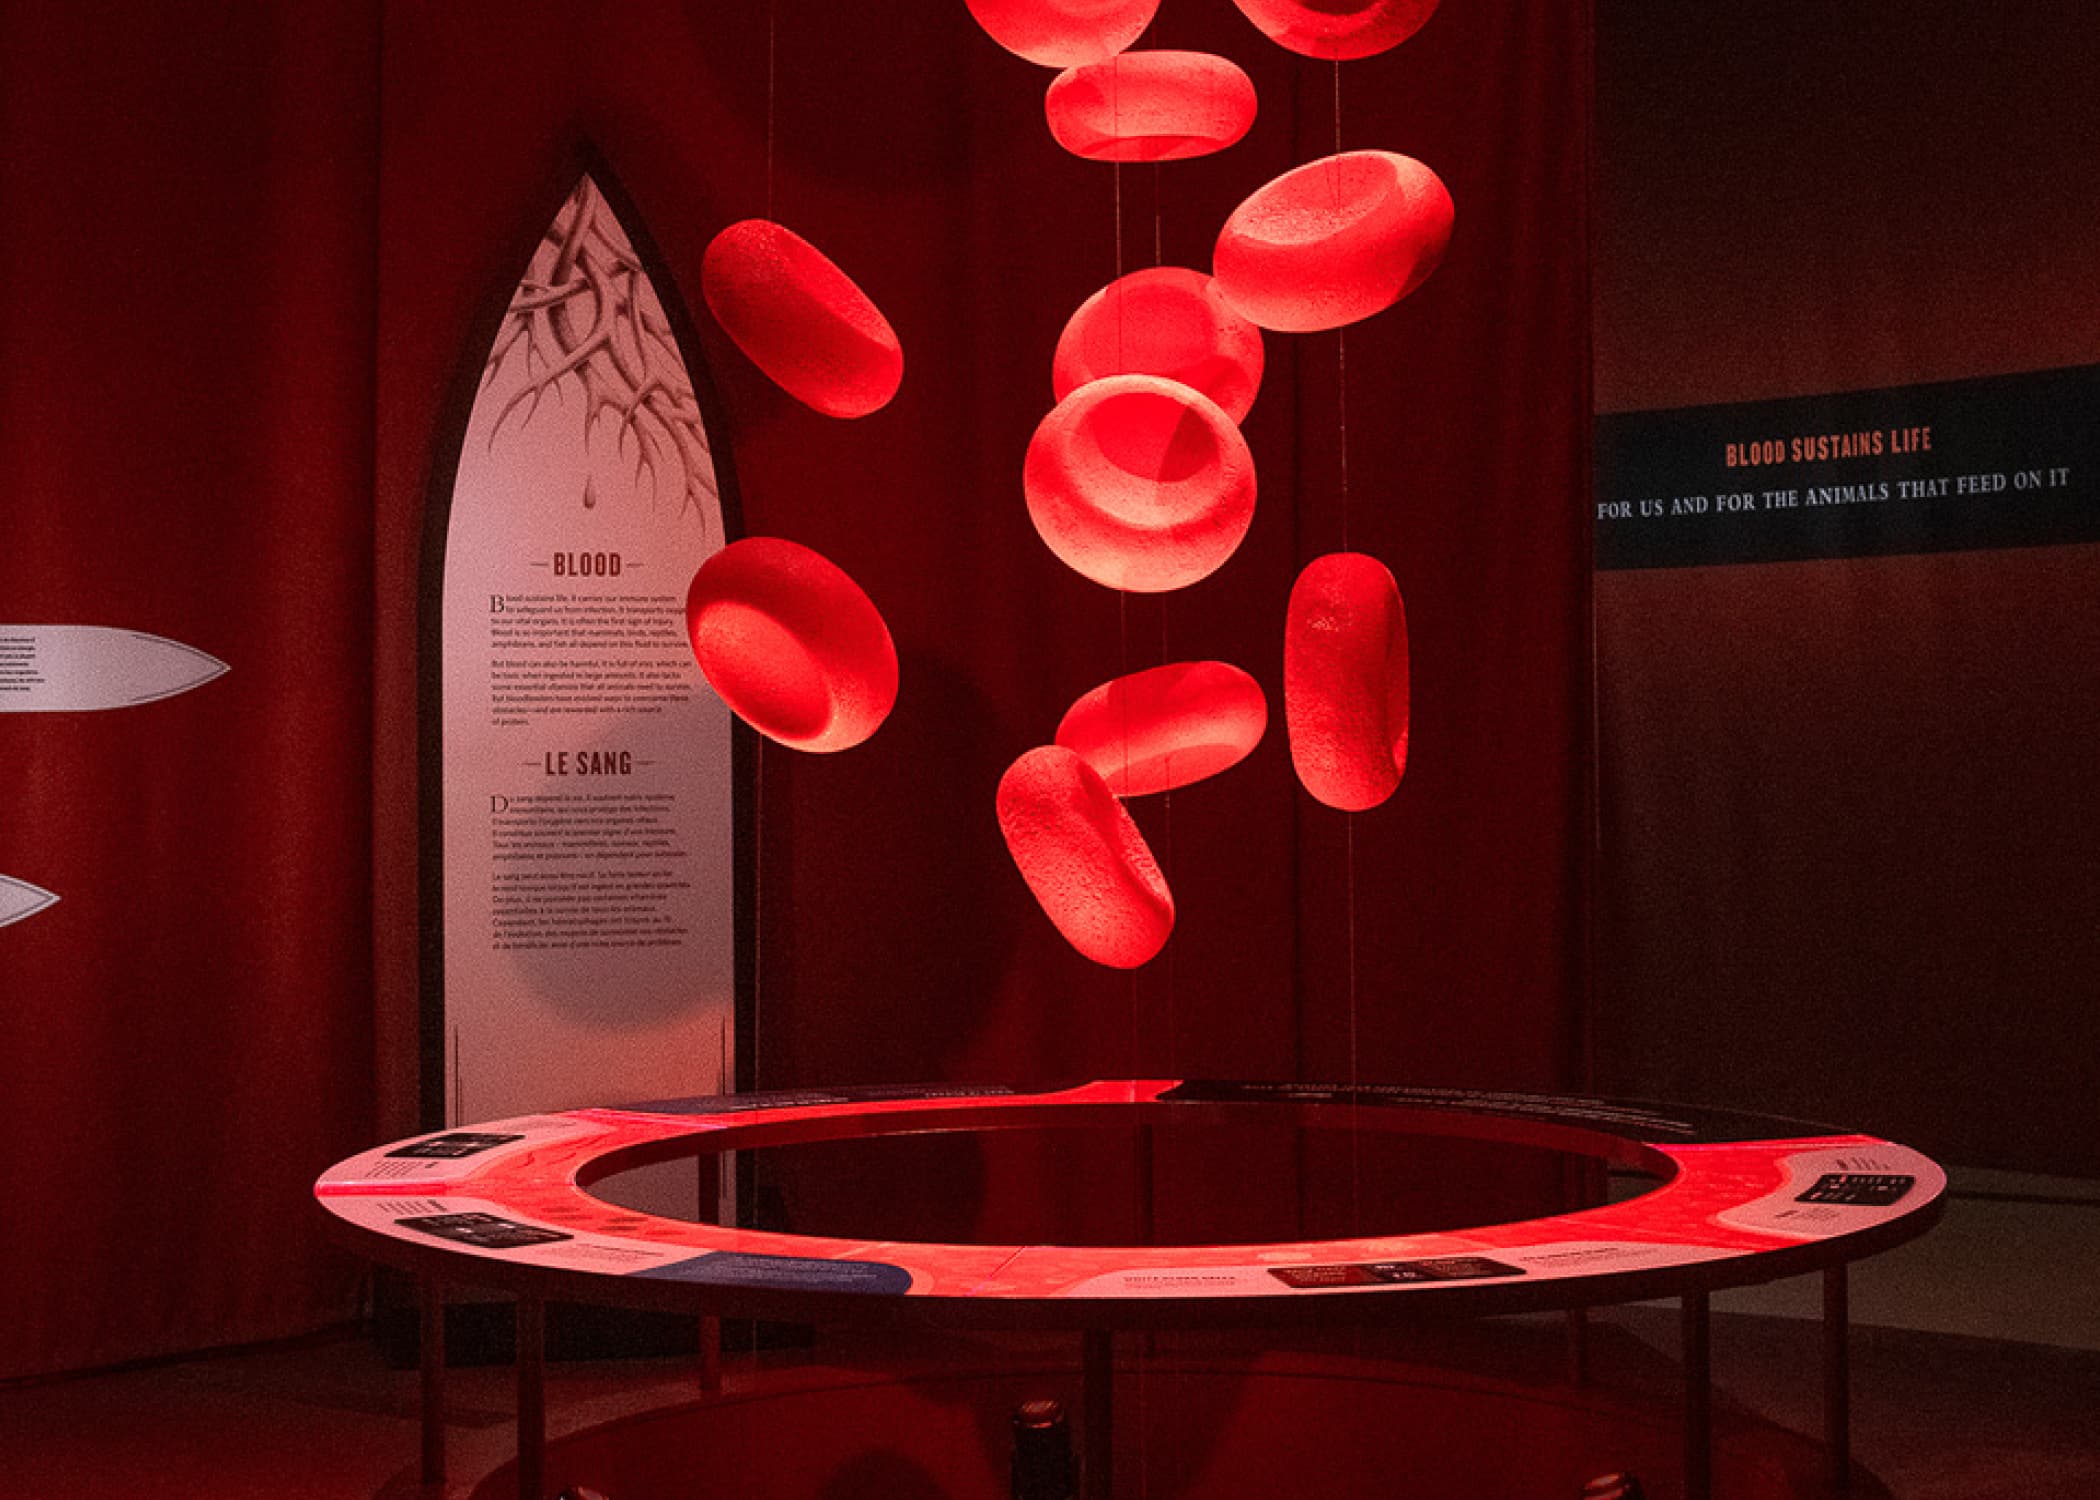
(1849, 820)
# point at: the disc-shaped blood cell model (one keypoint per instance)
(1084, 858)
(1333, 241)
(1338, 29)
(801, 319)
(1139, 483)
(791, 643)
(1150, 106)
(1171, 322)
(1064, 33)
(1345, 680)
(1156, 730)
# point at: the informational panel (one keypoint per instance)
(588, 832)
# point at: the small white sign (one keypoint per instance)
(47, 669)
(20, 899)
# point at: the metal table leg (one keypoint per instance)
(1577, 1352)
(1097, 1378)
(707, 1210)
(1148, 1207)
(1837, 1378)
(1580, 1189)
(1698, 1398)
(532, 1398)
(431, 1338)
(711, 1356)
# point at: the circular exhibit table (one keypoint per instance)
(1740, 1199)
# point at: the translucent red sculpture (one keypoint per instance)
(1064, 33)
(1084, 859)
(801, 319)
(1150, 106)
(1170, 322)
(791, 643)
(1156, 730)
(1345, 696)
(1139, 483)
(1338, 29)
(1333, 241)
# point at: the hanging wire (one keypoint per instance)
(758, 811)
(772, 48)
(1341, 387)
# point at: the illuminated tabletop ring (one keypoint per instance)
(1742, 1199)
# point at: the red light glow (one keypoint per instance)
(1333, 241)
(1337, 29)
(1345, 693)
(1150, 106)
(1167, 727)
(1084, 858)
(1064, 33)
(1139, 483)
(1170, 322)
(801, 319)
(791, 643)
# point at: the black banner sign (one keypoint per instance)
(2006, 461)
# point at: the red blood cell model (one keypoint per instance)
(1150, 106)
(1139, 483)
(1345, 680)
(1170, 322)
(1338, 29)
(801, 319)
(1064, 33)
(1333, 241)
(1156, 730)
(791, 643)
(1084, 858)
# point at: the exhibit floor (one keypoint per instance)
(1938, 1416)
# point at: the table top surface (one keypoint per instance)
(1741, 1199)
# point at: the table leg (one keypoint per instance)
(1578, 1346)
(707, 1209)
(532, 1398)
(1148, 1207)
(1837, 1378)
(1579, 1190)
(711, 1356)
(1097, 1378)
(1698, 1398)
(431, 1338)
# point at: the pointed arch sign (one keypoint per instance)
(584, 773)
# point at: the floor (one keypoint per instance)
(1938, 1416)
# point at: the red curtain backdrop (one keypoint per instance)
(186, 304)
(899, 944)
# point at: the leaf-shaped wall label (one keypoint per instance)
(20, 899)
(81, 668)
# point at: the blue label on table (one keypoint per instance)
(787, 1272)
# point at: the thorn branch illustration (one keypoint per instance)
(585, 323)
